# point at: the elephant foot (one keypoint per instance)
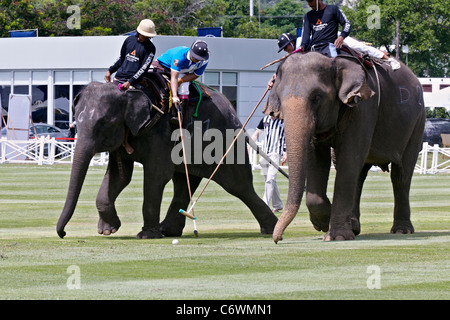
(171, 231)
(266, 231)
(339, 235)
(106, 228)
(173, 225)
(320, 222)
(322, 228)
(269, 226)
(149, 233)
(402, 228)
(356, 226)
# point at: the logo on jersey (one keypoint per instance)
(175, 62)
(320, 27)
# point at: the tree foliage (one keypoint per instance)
(424, 25)
(18, 15)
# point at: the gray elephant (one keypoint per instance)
(103, 113)
(336, 103)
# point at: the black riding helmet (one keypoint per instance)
(284, 40)
(199, 50)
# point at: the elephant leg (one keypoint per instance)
(318, 204)
(351, 154)
(238, 181)
(401, 176)
(117, 177)
(356, 226)
(154, 183)
(401, 183)
(174, 223)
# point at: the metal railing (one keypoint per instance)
(50, 151)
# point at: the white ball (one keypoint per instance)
(174, 241)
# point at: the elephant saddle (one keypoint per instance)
(157, 85)
(363, 58)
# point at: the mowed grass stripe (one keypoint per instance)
(230, 259)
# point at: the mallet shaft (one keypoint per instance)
(187, 214)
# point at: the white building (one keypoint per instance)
(436, 92)
(54, 69)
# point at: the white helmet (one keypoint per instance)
(147, 28)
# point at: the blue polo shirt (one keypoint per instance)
(178, 59)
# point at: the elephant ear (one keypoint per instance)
(138, 109)
(76, 100)
(351, 81)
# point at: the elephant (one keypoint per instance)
(337, 104)
(103, 113)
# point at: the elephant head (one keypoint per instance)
(308, 93)
(102, 114)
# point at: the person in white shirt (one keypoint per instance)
(275, 147)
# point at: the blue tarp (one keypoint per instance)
(209, 32)
(22, 34)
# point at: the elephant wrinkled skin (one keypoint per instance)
(335, 103)
(103, 113)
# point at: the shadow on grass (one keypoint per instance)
(391, 236)
(232, 234)
(203, 235)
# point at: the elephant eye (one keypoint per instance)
(315, 99)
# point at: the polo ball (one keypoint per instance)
(174, 241)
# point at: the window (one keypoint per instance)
(81, 77)
(21, 90)
(4, 93)
(427, 87)
(62, 77)
(61, 106)
(5, 77)
(224, 82)
(39, 103)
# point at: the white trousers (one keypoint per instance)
(183, 89)
(271, 192)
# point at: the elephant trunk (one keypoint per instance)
(299, 126)
(79, 169)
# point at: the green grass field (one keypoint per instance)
(229, 259)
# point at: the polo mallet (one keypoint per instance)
(192, 216)
(188, 213)
(281, 59)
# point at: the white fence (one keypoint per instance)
(49, 151)
(42, 151)
(439, 160)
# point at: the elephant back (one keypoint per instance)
(216, 110)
